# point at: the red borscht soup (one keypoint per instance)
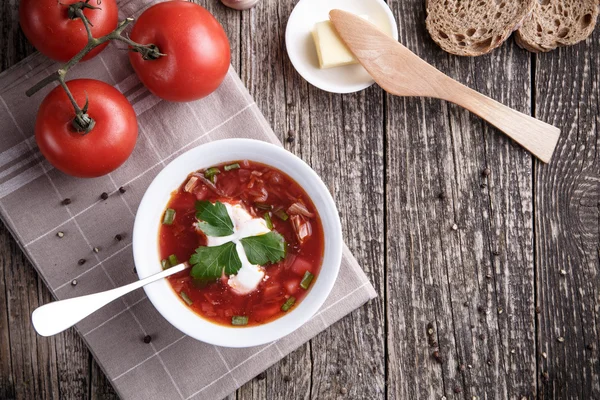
(254, 240)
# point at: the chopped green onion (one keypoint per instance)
(186, 298)
(268, 221)
(282, 215)
(165, 264)
(169, 216)
(239, 320)
(212, 171)
(307, 280)
(263, 206)
(173, 260)
(213, 179)
(231, 166)
(288, 304)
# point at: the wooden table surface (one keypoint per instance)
(486, 261)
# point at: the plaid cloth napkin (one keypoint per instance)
(31, 192)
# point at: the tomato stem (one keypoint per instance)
(83, 122)
(80, 6)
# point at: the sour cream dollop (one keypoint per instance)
(249, 276)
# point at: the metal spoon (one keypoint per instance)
(58, 316)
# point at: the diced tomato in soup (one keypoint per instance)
(261, 190)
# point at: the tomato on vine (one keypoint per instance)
(90, 142)
(56, 32)
(196, 47)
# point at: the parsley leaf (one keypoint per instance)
(210, 262)
(266, 248)
(214, 219)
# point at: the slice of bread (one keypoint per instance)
(474, 27)
(555, 23)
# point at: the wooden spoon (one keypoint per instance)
(401, 72)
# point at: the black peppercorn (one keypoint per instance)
(118, 237)
(66, 202)
(81, 261)
(104, 196)
(147, 339)
(122, 190)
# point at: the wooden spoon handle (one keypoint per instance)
(536, 136)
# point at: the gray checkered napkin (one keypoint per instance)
(31, 191)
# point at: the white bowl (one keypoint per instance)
(147, 259)
(301, 48)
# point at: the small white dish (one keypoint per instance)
(301, 48)
(145, 241)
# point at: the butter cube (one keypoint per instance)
(331, 49)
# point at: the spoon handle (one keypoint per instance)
(58, 316)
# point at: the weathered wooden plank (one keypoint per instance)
(32, 360)
(452, 302)
(7, 386)
(341, 137)
(100, 387)
(567, 212)
(346, 149)
(13, 44)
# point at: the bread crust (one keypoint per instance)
(475, 27)
(558, 23)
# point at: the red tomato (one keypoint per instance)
(98, 152)
(196, 47)
(48, 27)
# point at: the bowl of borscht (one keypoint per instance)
(261, 235)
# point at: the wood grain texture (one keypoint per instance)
(567, 215)
(445, 221)
(386, 161)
